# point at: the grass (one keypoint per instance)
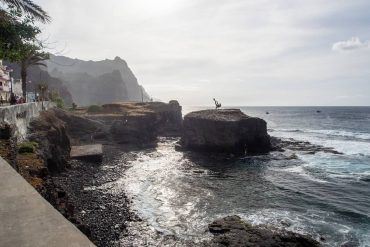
(27, 147)
(5, 150)
(32, 169)
(94, 109)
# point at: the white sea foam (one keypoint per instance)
(351, 167)
(300, 170)
(345, 146)
(329, 132)
(302, 223)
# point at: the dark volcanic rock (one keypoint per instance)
(228, 131)
(232, 231)
(138, 129)
(169, 117)
(6, 131)
(104, 215)
(279, 144)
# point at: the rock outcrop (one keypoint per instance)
(281, 144)
(51, 135)
(80, 129)
(140, 123)
(229, 131)
(232, 231)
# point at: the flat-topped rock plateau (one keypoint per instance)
(137, 122)
(93, 152)
(226, 130)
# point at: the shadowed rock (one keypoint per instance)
(229, 131)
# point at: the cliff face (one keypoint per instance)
(97, 82)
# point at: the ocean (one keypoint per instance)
(324, 195)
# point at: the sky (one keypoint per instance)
(241, 52)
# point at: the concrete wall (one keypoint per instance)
(27, 219)
(21, 115)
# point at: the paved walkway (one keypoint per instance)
(27, 219)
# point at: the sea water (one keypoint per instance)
(324, 195)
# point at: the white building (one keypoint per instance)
(17, 87)
(5, 85)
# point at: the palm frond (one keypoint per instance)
(29, 7)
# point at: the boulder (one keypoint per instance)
(6, 131)
(232, 231)
(229, 131)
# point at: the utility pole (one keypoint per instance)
(142, 94)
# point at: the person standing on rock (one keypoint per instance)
(218, 105)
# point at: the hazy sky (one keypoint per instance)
(242, 52)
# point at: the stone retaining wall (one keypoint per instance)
(21, 115)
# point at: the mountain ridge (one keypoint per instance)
(97, 82)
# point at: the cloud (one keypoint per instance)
(353, 43)
(251, 52)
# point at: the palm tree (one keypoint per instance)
(29, 7)
(33, 58)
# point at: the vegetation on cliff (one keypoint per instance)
(19, 35)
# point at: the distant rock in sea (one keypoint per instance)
(229, 131)
(97, 82)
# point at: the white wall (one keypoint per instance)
(21, 115)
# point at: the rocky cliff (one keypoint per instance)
(97, 82)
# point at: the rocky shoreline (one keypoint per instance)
(78, 188)
(105, 216)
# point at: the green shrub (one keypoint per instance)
(27, 147)
(60, 103)
(94, 109)
(55, 97)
